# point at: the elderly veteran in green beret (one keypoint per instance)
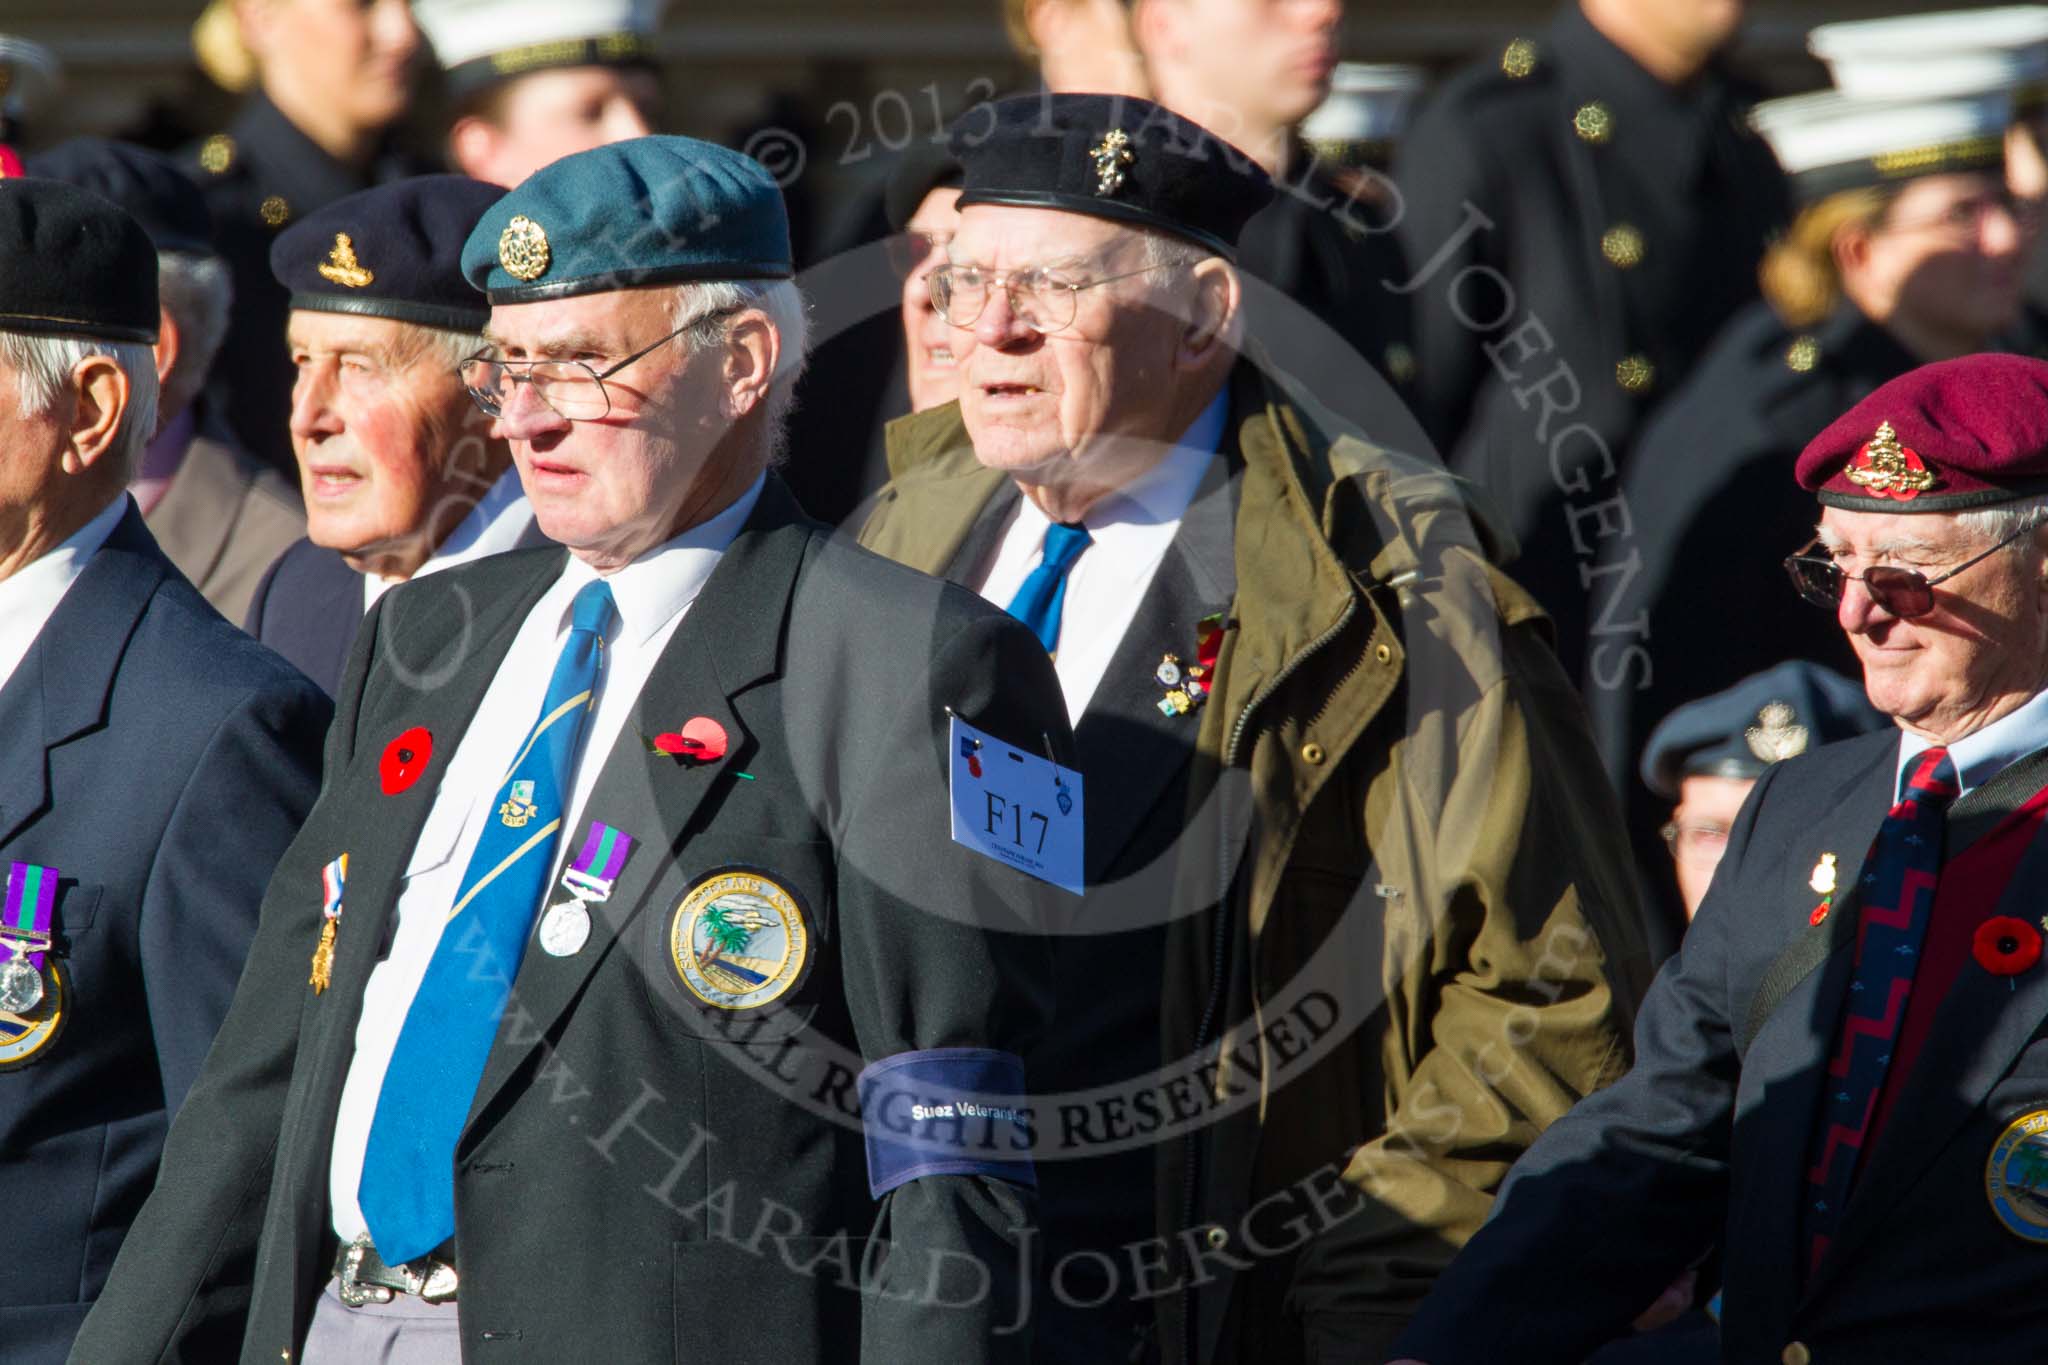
(625, 997)
(1346, 831)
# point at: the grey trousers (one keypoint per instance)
(405, 1331)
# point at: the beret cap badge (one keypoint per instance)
(1886, 467)
(342, 267)
(523, 248)
(1110, 156)
(1775, 736)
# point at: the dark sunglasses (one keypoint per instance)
(1905, 593)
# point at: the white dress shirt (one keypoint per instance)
(1129, 532)
(1982, 756)
(652, 594)
(501, 520)
(29, 596)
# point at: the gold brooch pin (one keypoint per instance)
(523, 248)
(341, 264)
(1110, 156)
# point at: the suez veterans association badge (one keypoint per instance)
(32, 984)
(740, 939)
(2016, 1177)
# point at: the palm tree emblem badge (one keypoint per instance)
(739, 940)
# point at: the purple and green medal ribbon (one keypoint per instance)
(31, 905)
(598, 863)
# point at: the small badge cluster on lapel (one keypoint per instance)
(1823, 881)
(1187, 686)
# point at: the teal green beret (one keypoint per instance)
(652, 210)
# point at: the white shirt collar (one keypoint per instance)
(1981, 756)
(1160, 496)
(653, 589)
(30, 595)
(501, 520)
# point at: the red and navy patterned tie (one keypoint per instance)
(1898, 899)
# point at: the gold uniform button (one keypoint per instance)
(1797, 1354)
(1593, 123)
(216, 154)
(1217, 1238)
(1802, 355)
(1519, 59)
(1622, 245)
(1384, 653)
(1311, 754)
(1635, 373)
(274, 211)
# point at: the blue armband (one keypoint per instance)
(946, 1111)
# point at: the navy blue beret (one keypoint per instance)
(147, 185)
(1779, 713)
(73, 264)
(925, 166)
(650, 210)
(1110, 156)
(394, 251)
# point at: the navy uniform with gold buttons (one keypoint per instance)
(154, 764)
(698, 1115)
(1594, 226)
(259, 176)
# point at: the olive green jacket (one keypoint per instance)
(1431, 949)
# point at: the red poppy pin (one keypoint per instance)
(2005, 946)
(701, 740)
(405, 758)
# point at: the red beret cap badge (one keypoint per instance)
(1887, 468)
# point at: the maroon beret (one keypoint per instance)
(1948, 436)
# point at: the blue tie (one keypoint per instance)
(407, 1192)
(1037, 604)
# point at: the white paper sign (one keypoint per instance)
(1019, 808)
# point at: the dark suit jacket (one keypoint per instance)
(1705, 1141)
(161, 761)
(224, 520)
(309, 608)
(639, 1178)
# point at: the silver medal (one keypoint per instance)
(564, 929)
(21, 986)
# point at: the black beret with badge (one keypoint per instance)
(1109, 156)
(147, 185)
(393, 251)
(1777, 714)
(73, 264)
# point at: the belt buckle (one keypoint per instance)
(437, 1285)
(354, 1292)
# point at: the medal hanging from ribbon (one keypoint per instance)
(333, 878)
(25, 935)
(588, 878)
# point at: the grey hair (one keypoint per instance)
(42, 368)
(1993, 524)
(447, 348)
(197, 291)
(1164, 251)
(703, 309)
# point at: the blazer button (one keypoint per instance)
(1311, 754)
(1217, 1238)
(1384, 653)
(1797, 1354)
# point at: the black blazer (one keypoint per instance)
(161, 761)
(308, 608)
(1706, 1141)
(642, 1178)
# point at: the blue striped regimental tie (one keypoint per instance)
(1044, 592)
(407, 1192)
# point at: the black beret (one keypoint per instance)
(1779, 713)
(1109, 156)
(72, 264)
(394, 251)
(147, 184)
(924, 166)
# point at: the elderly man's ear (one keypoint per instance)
(1214, 324)
(753, 349)
(99, 396)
